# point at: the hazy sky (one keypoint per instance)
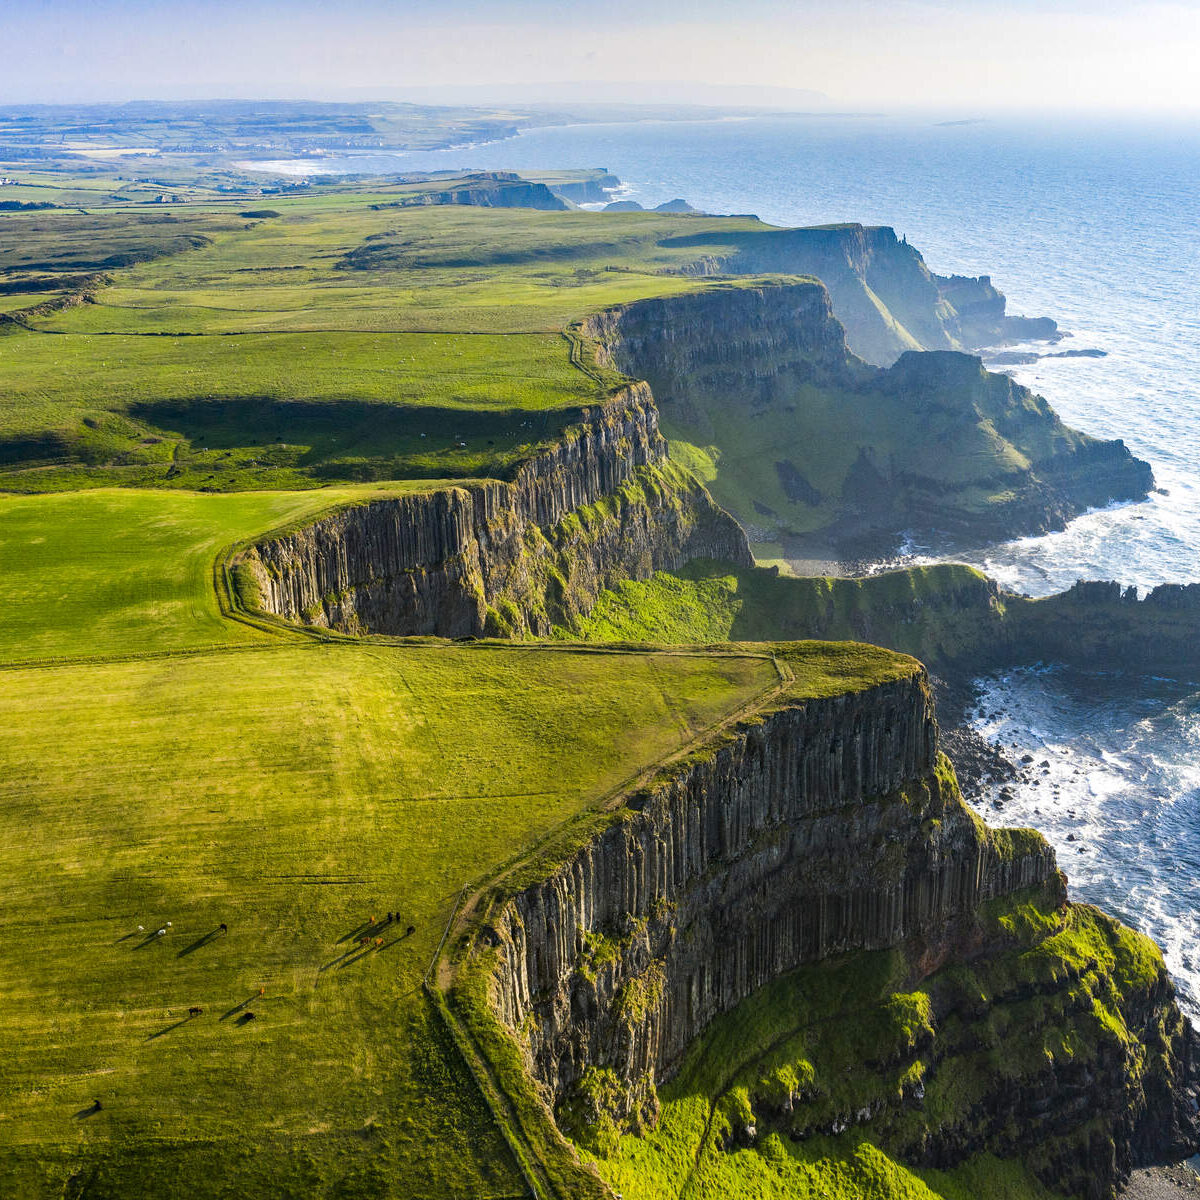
(980, 54)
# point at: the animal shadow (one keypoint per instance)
(200, 943)
(169, 1029)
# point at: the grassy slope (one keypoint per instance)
(289, 789)
(853, 1033)
(937, 613)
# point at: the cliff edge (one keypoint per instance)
(816, 845)
(804, 442)
(500, 558)
(882, 291)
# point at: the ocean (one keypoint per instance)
(1094, 223)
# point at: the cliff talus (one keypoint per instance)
(601, 505)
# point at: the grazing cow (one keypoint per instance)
(379, 941)
(97, 1105)
(410, 931)
(248, 1016)
(389, 918)
(195, 1010)
(262, 991)
(161, 933)
(224, 927)
(141, 929)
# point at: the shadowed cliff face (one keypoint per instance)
(807, 444)
(503, 558)
(883, 293)
(832, 828)
(799, 840)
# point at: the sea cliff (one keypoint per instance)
(882, 291)
(823, 831)
(804, 441)
(500, 557)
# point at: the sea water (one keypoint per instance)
(1092, 222)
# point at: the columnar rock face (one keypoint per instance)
(601, 505)
(827, 828)
(738, 334)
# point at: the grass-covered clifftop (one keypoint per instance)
(164, 765)
(213, 797)
(409, 330)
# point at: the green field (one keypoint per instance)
(341, 338)
(106, 573)
(290, 789)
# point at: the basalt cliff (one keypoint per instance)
(500, 557)
(828, 831)
(807, 444)
(883, 293)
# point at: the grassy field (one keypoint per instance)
(376, 324)
(106, 573)
(290, 790)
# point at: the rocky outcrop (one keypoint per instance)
(810, 442)
(1104, 626)
(600, 505)
(593, 188)
(883, 293)
(485, 189)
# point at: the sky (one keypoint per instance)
(862, 54)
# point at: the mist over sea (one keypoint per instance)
(1094, 223)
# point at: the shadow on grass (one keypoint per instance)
(355, 934)
(351, 957)
(169, 1029)
(91, 1110)
(200, 942)
(239, 1008)
(246, 1018)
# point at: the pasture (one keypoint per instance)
(314, 340)
(289, 790)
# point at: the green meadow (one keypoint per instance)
(106, 573)
(333, 336)
(172, 766)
